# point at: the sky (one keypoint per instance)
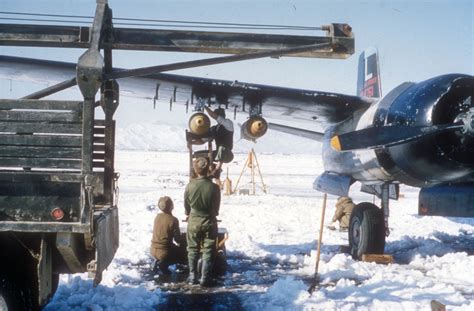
(416, 39)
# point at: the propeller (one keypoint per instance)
(386, 136)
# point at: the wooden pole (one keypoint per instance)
(252, 171)
(320, 240)
(227, 184)
(259, 172)
(190, 150)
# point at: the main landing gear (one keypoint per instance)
(366, 230)
(368, 227)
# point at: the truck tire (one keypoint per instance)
(13, 297)
(55, 283)
(366, 230)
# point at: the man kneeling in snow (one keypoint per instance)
(165, 230)
(344, 207)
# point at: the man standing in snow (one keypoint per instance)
(344, 207)
(201, 203)
(223, 135)
(165, 230)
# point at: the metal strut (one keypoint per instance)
(213, 61)
(385, 206)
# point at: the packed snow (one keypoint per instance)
(272, 246)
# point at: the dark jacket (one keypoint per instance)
(223, 133)
(222, 136)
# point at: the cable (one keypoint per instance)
(216, 23)
(47, 15)
(155, 25)
(209, 27)
(42, 20)
(173, 23)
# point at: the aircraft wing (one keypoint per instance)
(278, 103)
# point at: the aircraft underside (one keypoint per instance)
(420, 135)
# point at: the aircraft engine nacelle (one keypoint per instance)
(199, 124)
(253, 128)
(422, 160)
(444, 157)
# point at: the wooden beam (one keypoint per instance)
(40, 104)
(98, 156)
(98, 147)
(44, 35)
(179, 40)
(98, 164)
(99, 139)
(378, 258)
(32, 226)
(21, 176)
(35, 127)
(40, 152)
(99, 131)
(41, 163)
(40, 140)
(40, 116)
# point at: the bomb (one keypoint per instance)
(199, 124)
(253, 128)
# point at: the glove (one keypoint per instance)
(332, 226)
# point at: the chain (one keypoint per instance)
(116, 189)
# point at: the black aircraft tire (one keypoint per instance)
(13, 297)
(366, 230)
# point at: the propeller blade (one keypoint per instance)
(386, 136)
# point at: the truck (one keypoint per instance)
(58, 185)
(58, 196)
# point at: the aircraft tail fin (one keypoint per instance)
(368, 78)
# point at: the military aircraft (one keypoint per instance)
(418, 134)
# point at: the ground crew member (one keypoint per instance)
(344, 207)
(165, 230)
(201, 203)
(223, 135)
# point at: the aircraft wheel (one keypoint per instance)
(366, 230)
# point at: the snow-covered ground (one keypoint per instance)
(271, 249)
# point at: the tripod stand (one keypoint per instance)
(251, 163)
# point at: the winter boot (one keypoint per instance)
(206, 276)
(155, 267)
(163, 267)
(192, 278)
(160, 267)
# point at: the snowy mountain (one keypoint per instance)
(160, 136)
